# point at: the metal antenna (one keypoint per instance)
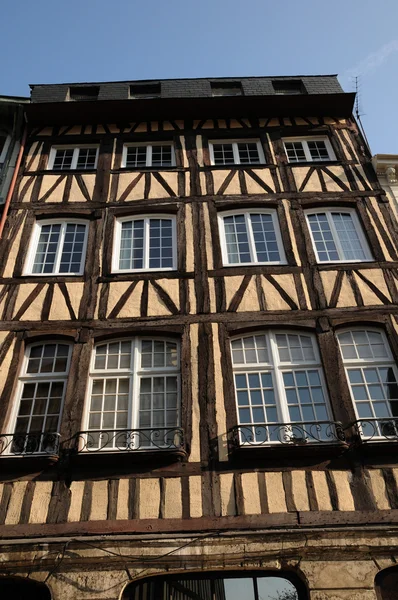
(358, 108)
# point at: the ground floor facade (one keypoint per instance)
(329, 563)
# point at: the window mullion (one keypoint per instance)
(146, 242)
(336, 237)
(75, 158)
(134, 398)
(236, 153)
(34, 247)
(250, 236)
(280, 395)
(60, 248)
(149, 156)
(307, 152)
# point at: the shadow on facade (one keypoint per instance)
(20, 588)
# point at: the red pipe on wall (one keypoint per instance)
(13, 180)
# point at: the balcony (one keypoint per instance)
(28, 444)
(124, 447)
(292, 434)
(376, 430)
(279, 439)
(130, 440)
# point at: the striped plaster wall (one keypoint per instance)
(252, 493)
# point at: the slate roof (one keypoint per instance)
(186, 88)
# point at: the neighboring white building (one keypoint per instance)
(386, 167)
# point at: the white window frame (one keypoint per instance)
(252, 246)
(25, 377)
(4, 151)
(148, 154)
(235, 150)
(277, 368)
(134, 373)
(32, 251)
(304, 141)
(146, 218)
(76, 151)
(349, 363)
(358, 227)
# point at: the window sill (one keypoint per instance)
(142, 275)
(313, 163)
(63, 172)
(54, 276)
(238, 166)
(342, 265)
(148, 169)
(254, 269)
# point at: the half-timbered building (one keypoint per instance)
(199, 345)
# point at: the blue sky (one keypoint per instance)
(44, 41)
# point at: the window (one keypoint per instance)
(221, 585)
(81, 93)
(372, 377)
(41, 393)
(288, 87)
(134, 384)
(152, 155)
(226, 88)
(337, 236)
(313, 149)
(145, 90)
(244, 152)
(145, 243)
(57, 248)
(280, 391)
(251, 237)
(67, 157)
(386, 582)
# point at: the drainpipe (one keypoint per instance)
(13, 180)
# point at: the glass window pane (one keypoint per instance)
(63, 158)
(241, 588)
(348, 235)
(324, 244)
(271, 588)
(223, 154)
(160, 244)
(264, 238)
(47, 247)
(72, 251)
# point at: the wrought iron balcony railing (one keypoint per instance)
(22, 444)
(376, 429)
(129, 440)
(292, 434)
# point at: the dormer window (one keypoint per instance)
(145, 90)
(83, 93)
(288, 87)
(64, 158)
(312, 149)
(226, 88)
(148, 155)
(239, 152)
